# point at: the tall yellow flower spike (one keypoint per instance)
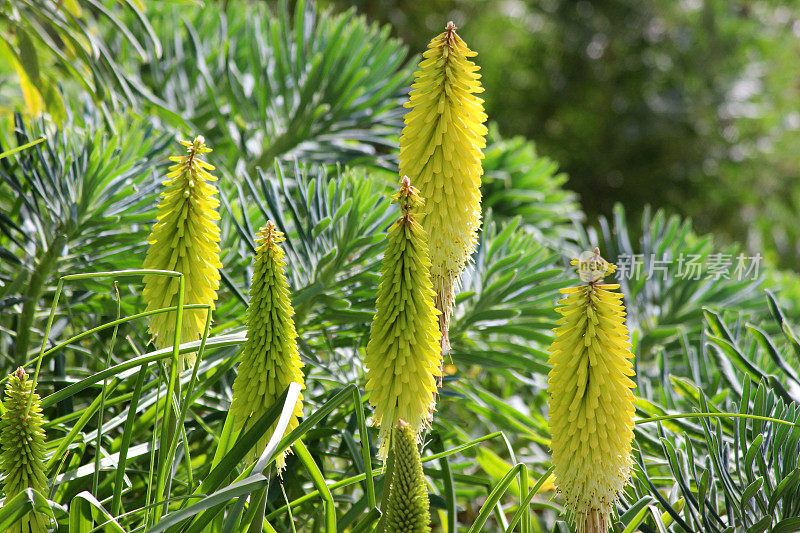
(591, 402)
(269, 360)
(440, 149)
(184, 239)
(403, 354)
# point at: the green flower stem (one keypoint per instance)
(168, 425)
(523, 505)
(103, 392)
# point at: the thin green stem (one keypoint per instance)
(127, 434)
(22, 147)
(525, 503)
(713, 415)
(365, 452)
(168, 427)
(96, 476)
(319, 482)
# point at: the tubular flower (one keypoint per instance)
(269, 359)
(590, 397)
(405, 509)
(184, 239)
(440, 149)
(403, 355)
(23, 448)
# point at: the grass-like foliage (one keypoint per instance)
(297, 382)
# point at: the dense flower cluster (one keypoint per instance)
(441, 151)
(185, 239)
(22, 441)
(591, 402)
(269, 358)
(403, 356)
(405, 503)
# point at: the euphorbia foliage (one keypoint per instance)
(22, 441)
(269, 358)
(185, 239)
(441, 151)
(403, 355)
(591, 403)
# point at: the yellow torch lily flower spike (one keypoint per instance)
(184, 239)
(591, 403)
(269, 359)
(440, 149)
(403, 354)
(22, 440)
(405, 502)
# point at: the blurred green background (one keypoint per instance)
(690, 105)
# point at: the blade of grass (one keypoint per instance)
(101, 411)
(449, 490)
(494, 498)
(21, 148)
(319, 482)
(127, 435)
(360, 477)
(169, 425)
(525, 503)
(234, 490)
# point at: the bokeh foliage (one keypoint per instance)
(687, 105)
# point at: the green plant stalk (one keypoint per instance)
(365, 454)
(96, 476)
(169, 426)
(153, 447)
(35, 288)
(387, 483)
(449, 487)
(184, 402)
(523, 489)
(319, 482)
(525, 503)
(116, 502)
(494, 497)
